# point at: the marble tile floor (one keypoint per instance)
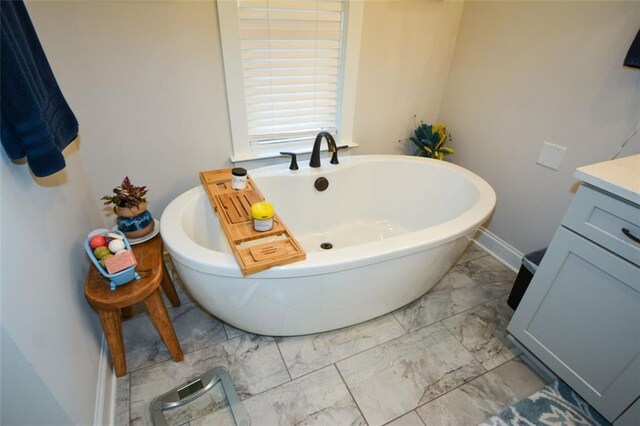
(441, 360)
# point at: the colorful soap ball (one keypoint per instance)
(101, 252)
(116, 246)
(97, 241)
(102, 261)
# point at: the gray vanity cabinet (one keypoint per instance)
(581, 313)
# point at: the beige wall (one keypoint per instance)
(404, 63)
(147, 84)
(526, 72)
(56, 333)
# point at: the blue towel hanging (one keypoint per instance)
(36, 120)
(633, 55)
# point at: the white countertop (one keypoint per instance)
(620, 177)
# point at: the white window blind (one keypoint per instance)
(291, 54)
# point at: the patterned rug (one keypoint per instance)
(555, 404)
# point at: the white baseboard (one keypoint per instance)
(105, 389)
(500, 249)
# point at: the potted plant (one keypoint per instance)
(130, 205)
(430, 140)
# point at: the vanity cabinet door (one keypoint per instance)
(581, 317)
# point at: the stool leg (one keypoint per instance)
(168, 287)
(161, 320)
(112, 327)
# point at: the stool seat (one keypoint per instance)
(109, 303)
(150, 268)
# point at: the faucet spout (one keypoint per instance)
(315, 153)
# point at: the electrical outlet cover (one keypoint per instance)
(551, 155)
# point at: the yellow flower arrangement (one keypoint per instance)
(430, 140)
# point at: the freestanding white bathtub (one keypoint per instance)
(397, 224)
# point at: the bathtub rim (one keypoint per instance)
(199, 258)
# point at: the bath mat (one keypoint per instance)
(555, 404)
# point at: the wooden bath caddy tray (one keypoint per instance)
(255, 251)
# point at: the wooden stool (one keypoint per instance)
(109, 304)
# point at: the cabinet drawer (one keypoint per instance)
(601, 218)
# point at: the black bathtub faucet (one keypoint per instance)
(315, 154)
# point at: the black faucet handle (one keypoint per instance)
(334, 156)
(294, 161)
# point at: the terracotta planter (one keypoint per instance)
(131, 211)
(135, 222)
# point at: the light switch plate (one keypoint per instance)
(551, 155)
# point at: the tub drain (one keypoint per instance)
(326, 246)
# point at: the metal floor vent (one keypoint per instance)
(187, 392)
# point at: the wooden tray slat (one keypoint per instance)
(234, 212)
(264, 256)
(237, 205)
(243, 232)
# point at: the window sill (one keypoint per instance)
(272, 152)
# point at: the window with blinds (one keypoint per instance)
(290, 54)
(284, 65)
